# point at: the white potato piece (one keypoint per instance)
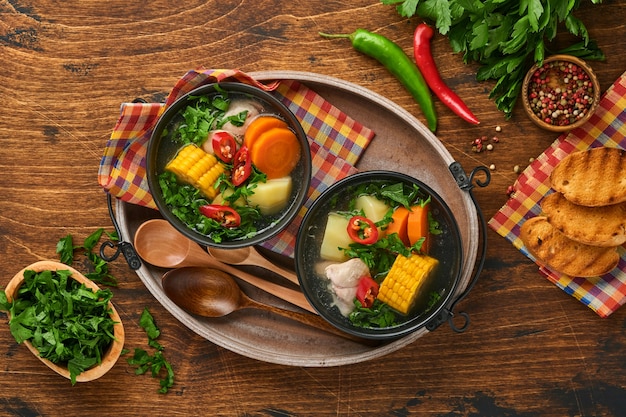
(272, 196)
(335, 237)
(373, 208)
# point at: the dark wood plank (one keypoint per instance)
(67, 66)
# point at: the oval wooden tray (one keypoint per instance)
(405, 145)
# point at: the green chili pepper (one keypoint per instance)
(398, 63)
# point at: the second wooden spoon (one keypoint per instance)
(250, 256)
(213, 293)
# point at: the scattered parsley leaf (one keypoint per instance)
(154, 363)
(98, 267)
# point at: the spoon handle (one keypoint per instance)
(287, 294)
(314, 321)
(285, 273)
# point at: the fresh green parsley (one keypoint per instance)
(68, 323)
(98, 269)
(504, 37)
(156, 362)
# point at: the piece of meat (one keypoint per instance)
(253, 107)
(347, 274)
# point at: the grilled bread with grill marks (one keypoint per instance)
(596, 177)
(553, 249)
(597, 226)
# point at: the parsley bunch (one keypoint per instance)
(505, 37)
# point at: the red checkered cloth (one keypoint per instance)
(336, 141)
(607, 127)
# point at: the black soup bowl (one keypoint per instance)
(165, 143)
(435, 293)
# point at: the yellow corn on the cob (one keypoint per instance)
(198, 168)
(207, 181)
(401, 286)
(184, 160)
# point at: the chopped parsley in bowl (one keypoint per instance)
(65, 320)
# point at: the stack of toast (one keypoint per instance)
(583, 221)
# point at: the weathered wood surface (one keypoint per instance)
(66, 66)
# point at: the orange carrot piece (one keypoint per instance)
(276, 152)
(400, 218)
(417, 226)
(260, 125)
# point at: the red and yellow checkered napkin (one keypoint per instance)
(607, 127)
(336, 142)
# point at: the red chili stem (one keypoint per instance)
(426, 64)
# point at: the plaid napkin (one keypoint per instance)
(607, 127)
(336, 142)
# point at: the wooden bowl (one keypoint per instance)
(109, 358)
(556, 80)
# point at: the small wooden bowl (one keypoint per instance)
(109, 358)
(554, 83)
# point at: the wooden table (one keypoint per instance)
(66, 67)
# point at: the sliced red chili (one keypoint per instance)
(242, 166)
(224, 145)
(224, 215)
(367, 291)
(362, 230)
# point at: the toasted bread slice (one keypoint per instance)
(553, 249)
(595, 226)
(596, 177)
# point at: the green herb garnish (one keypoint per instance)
(184, 201)
(378, 315)
(98, 267)
(154, 363)
(68, 323)
(504, 37)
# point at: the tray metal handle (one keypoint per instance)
(466, 183)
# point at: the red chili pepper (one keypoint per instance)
(367, 291)
(426, 64)
(362, 230)
(242, 166)
(224, 146)
(224, 215)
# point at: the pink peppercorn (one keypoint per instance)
(560, 93)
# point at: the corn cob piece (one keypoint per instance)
(207, 181)
(183, 161)
(194, 166)
(401, 286)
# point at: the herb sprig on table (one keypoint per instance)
(156, 362)
(98, 267)
(505, 37)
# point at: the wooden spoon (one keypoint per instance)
(250, 256)
(160, 244)
(213, 293)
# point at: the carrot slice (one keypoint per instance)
(260, 125)
(400, 218)
(417, 226)
(276, 152)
